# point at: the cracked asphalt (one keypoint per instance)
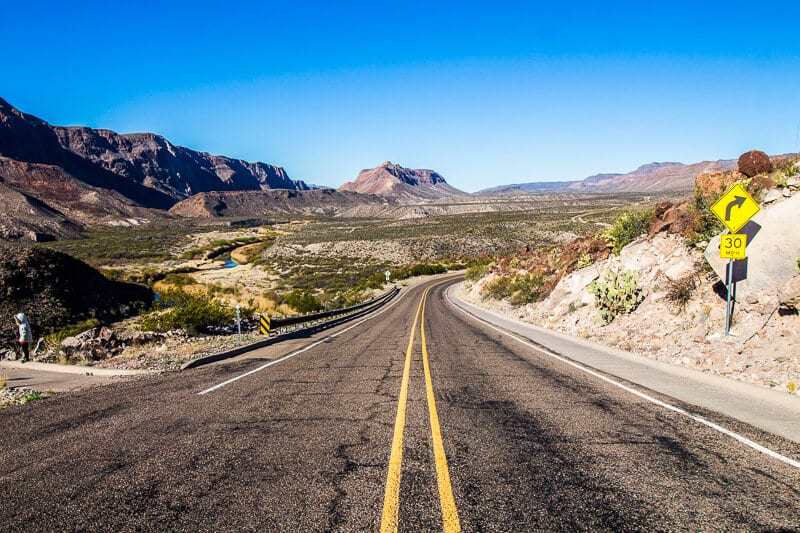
(532, 444)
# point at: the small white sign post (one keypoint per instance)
(388, 275)
(239, 322)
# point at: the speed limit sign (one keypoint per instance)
(733, 246)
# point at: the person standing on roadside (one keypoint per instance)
(25, 335)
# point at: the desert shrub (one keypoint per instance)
(527, 288)
(179, 279)
(426, 269)
(704, 224)
(627, 227)
(194, 313)
(797, 263)
(499, 288)
(476, 272)
(514, 263)
(680, 291)
(32, 396)
(519, 289)
(618, 294)
(584, 261)
(303, 301)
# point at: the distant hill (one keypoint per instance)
(93, 175)
(652, 177)
(542, 187)
(403, 184)
(326, 202)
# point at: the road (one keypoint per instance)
(371, 426)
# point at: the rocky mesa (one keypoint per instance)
(404, 184)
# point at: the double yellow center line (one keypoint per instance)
(391, 502)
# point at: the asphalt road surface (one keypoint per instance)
(374, 429)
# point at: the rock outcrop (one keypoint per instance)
(54, 290)
(404, 184)
(710, 185)
(671, 218)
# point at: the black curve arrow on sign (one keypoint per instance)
(738, 202)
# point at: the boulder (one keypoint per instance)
(790, 292)
(72, 343)
(670, 218)
(754, 162)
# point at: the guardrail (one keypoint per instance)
(284, 323)
(298, 324)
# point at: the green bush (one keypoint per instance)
(477, 271)
(627, 227)
(194, 313)
(706, 225)
(618, 294)
(584, 261)
(303, 301)
(519, 289)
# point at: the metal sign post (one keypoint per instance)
(731, 246)
(734, 209)
(729, 288)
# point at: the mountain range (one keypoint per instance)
(55, 180)
(649, 178)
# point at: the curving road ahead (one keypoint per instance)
(419, 417)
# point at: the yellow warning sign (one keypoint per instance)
(265, 324)
(733, 246)
(735, 208)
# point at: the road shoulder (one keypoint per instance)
(772, 411)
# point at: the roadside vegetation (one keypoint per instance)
(306, 265)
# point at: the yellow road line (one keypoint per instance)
(391, 500)
(450, 519)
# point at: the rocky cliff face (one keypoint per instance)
(401, 183)
(92, 173)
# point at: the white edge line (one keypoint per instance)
(744, 440)
(297, 352)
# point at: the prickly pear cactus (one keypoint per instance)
(618, 294)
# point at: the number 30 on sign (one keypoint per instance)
(733, 246)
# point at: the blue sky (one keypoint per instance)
(487, 93)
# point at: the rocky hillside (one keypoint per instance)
(55, 290)
(672, 305)
(89, 175)
(404, 184)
